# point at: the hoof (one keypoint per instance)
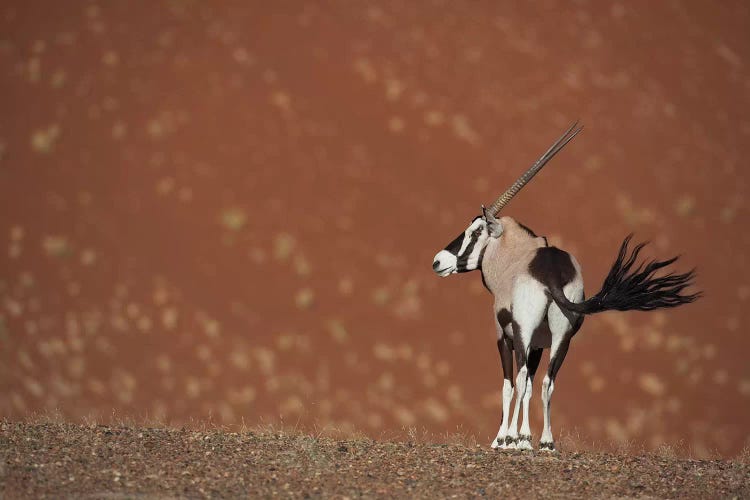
(509, 443)
(524, 442)
(497, 442)
(548, 447)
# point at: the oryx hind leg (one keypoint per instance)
(530, 303)
(562, 328)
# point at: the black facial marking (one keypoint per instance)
(455, 245)
(464, 259)
(552, 267)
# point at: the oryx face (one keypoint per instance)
(465, 252)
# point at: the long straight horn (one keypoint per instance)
(534, 169)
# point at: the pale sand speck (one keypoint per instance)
(346, 286)
(43, 140)
(302, 265)
(242, 396)
(33, 69)
(110, 58)
(615, 430)
(454, 394)
(25, 360)
(233, 218)
(281, 100)
(88, 257)
(384, 352)
(337, 331)
(404, 416)
(203, 352)
(304, 298)
(436, 410)
(192, 387)
(386, 381)
(155, 128)
(463, 130)
(434, 118)
(685, 205)
(119, 130)
(144, 324)
(396, 124)
(292, 405)
(393, 89)
(596, 383)
(240, 359)
(242, 56)
(58, 79)
(364, 68)
(282, 246)
(163, 363)
(651, 384)
(266, 359)
(169, 318)
(381, 296)
(211, 327)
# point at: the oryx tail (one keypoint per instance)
(625, 289)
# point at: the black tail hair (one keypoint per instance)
(626, 290)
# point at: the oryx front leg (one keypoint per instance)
(529, 308)
(500, 440)
(505, 347)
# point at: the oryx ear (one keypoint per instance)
(494, 227)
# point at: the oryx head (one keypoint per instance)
(465, 252)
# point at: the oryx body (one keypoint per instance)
(539, 298)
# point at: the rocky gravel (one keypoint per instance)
(55, 460)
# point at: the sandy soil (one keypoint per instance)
(66, 461)
(230, 211)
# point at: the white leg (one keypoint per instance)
(520, 390)
(561, 329)
(547, 443)
(503, 432)
(524, 437)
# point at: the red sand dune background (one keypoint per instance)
(231, 211)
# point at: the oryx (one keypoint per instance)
(539, 299)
